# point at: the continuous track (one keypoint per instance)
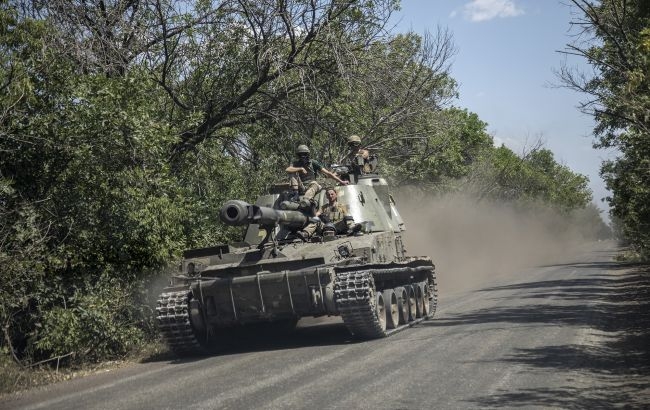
(354, 293)
(355, 298)
(173, 319)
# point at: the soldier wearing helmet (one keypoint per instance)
(354, 143)
(358, 158)
(303, 173)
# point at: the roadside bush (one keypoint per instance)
(97, 323)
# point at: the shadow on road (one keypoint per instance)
(617, 305)
(599, 265)
(268, 338)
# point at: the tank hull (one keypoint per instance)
(204, 308)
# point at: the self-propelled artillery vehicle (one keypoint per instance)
(274, 277)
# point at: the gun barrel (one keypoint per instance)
(237, 213)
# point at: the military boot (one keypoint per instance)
(355, 229)
(302, 235)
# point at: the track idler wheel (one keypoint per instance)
(402, 305)
(392, 311)
(432, 293)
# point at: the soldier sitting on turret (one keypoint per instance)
(303, 174)
(333, 218)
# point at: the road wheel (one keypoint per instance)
(380, 308)
(424, 289)
(418, 299)
(390, 304)
(411, 302)
(402, 305)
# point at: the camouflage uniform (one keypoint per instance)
(306, 182)
(302, 178)
(337, 215)
(359, 159)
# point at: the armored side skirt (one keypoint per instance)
(266, 296)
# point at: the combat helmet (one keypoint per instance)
(302, 149)
(354, 139)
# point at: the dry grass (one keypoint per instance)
(14, 378)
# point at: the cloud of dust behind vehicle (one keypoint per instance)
(471, 241)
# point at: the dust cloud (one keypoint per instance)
(472, 241)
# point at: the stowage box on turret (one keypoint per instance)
(274, 277)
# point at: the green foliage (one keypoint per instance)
(453, 139)
(534, 177)
(85, 192)
(619, 50)
(97, 322)
(629, 180)
(209, 179)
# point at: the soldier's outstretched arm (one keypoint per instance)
(334, 176)
(291, 169)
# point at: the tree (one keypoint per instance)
(530, 178)
(90, 207)
(614, 38)
(254, 56)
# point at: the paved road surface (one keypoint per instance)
(557, 336)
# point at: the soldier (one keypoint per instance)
(303, 174)
(332, 216)
(354, 144)
(359, 158)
